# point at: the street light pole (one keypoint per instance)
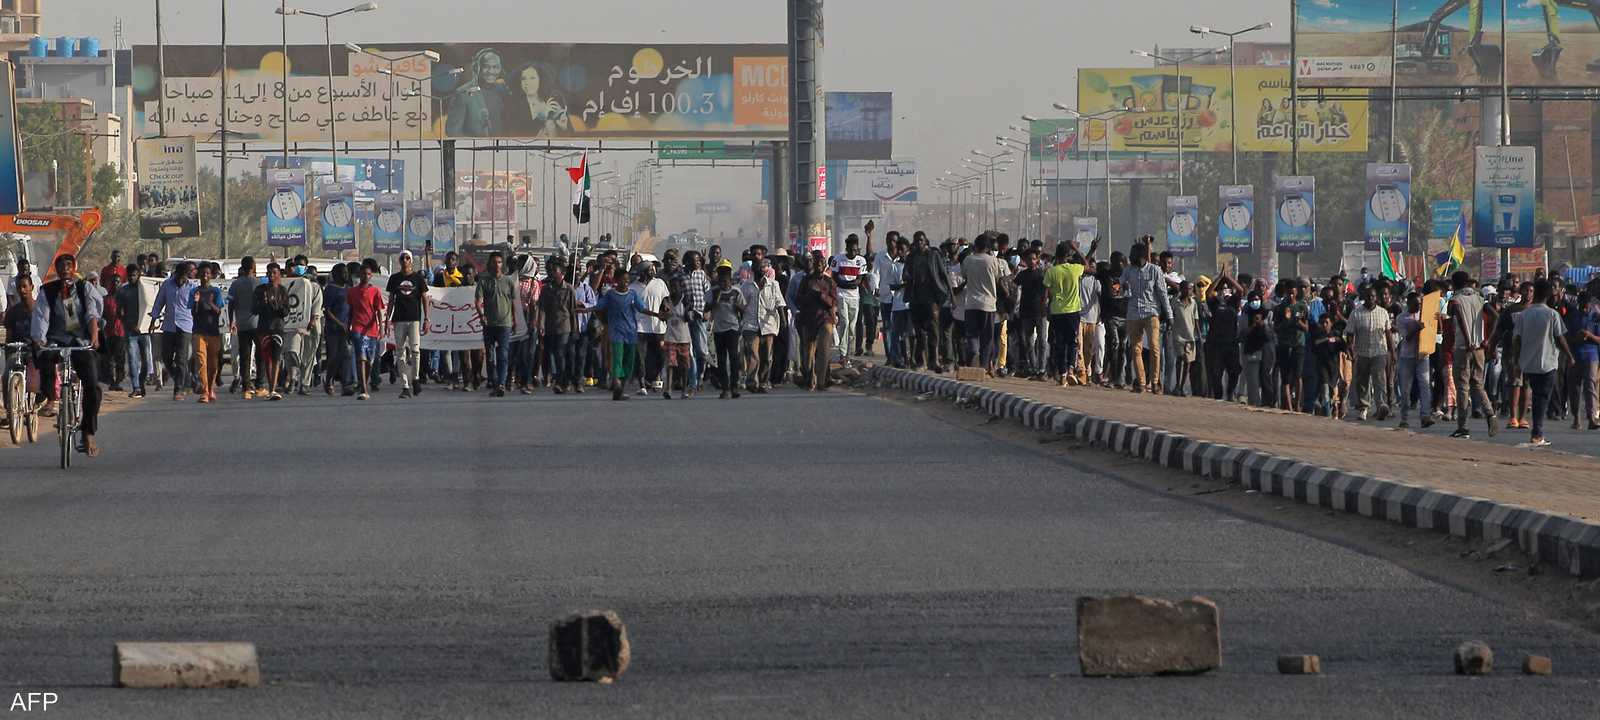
(327, 44)
(1233, 83)
(1177, 76)
(394, 87)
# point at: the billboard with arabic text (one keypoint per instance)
(1201, 97)
(491, 90)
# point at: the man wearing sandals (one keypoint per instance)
(67, 313)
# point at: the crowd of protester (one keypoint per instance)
(1348, 347)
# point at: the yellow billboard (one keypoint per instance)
(1203, 95)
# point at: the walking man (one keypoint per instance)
(408, 315)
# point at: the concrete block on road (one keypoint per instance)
(588, 646)
(186, 665)
(971, 374)
(1131, 635)
(1299, 665)
(1537, 665)
(1474, 658)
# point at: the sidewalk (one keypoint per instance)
(1546, 501)
(1555, 482)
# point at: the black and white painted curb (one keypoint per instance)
(1570, 544)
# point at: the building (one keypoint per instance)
(19, 24)
(91, 87)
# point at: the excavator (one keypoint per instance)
(30, 235)
(1486, 57)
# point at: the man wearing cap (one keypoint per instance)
(408, 314)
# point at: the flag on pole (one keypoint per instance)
(1453, 258)
(1389, 268)
(581, 191)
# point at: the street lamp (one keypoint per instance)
(1177, 77)
(1007, 141)
(989, 164)
(393, 90)
(419, 95)
(1102, 116)
(1233, 85)
(327, 44)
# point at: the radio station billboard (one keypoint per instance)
(488, 90)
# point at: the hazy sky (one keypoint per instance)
(960, 71)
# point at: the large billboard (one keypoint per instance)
(1450, 43)
(1202, 94)
(860, 125)
(883, 181)
(504, 90)
(169, 195)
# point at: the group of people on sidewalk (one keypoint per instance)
(1363, 349)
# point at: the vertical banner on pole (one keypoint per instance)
(388, 226)
(1236, 218)
(1295, 208)
(1388, 214)
(1085, 230)
(10, 158)
(444, 232)
(1503, 197)
(338, 215)
(1183, 222)
(286, 218)
(419, 225)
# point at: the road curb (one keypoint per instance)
(1569, 544)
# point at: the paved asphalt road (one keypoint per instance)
(798, 555)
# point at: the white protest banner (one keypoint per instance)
(453, 320)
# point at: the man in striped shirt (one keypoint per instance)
(1370, 337)
(1146, 289)
(697, 284)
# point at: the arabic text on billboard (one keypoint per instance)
(1201, 93)
(874, 180)
(508, 90)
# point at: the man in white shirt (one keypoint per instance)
(890, 270)
(847, 269)
(652, 330)
(758, 332)
(982, 271)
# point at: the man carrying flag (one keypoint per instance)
(581, 191)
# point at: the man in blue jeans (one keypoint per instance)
(496, 299)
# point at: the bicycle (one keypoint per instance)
(70, 411)
(21, 411)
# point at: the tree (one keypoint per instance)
(49, 144)
(107, 186)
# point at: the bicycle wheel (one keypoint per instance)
(66, 424)
(14, 398)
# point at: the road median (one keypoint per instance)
(1540, 501)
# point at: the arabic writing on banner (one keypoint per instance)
(255, 108)
(1207, 111)
(453, 320)
(504, 90)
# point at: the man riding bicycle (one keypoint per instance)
(67, 314)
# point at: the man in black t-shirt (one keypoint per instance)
(1031, 315)
(408, 314)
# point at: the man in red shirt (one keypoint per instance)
(366, 321)
(114, 269)
(114, 345)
